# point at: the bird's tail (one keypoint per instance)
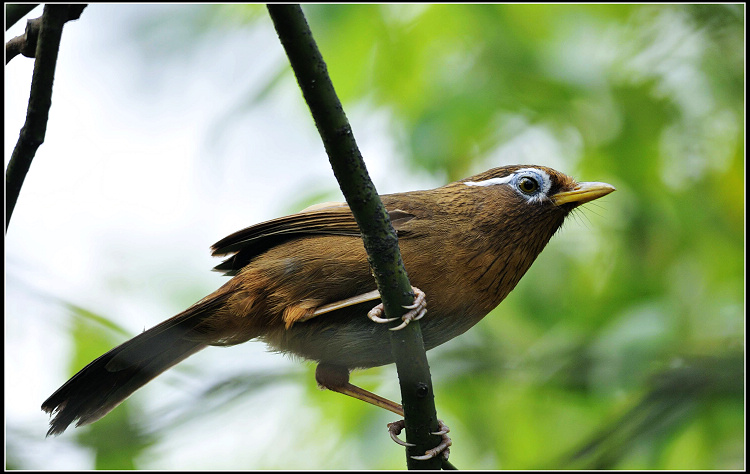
(107, 381)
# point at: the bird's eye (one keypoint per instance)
(528, 185)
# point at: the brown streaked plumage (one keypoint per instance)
(466, 245)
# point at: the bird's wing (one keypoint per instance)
(326, 219)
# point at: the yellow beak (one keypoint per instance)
(583, 193)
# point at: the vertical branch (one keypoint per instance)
(379, 238)
(40, 100)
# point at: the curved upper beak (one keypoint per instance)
(583, 193)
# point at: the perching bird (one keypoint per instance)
(302, 284)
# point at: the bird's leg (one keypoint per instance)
(336, 378)
(364, 297)
(416, 311)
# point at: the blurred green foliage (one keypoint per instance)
(622, 348)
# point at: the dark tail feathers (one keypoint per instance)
(107, 381)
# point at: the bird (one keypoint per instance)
(302, 284)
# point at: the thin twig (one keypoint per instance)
(378, 235)
(40, 100)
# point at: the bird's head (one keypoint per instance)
(514, 211)
(538, 186)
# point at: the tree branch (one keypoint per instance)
(378, 235)
(26, 43)
(16, 11)
(40, 100)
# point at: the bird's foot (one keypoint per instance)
(416, 311)
(444, 447)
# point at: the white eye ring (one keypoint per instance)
(539, 176)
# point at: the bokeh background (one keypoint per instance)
(175, 125)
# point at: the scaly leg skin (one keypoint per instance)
(417, 310)
(336, 378)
